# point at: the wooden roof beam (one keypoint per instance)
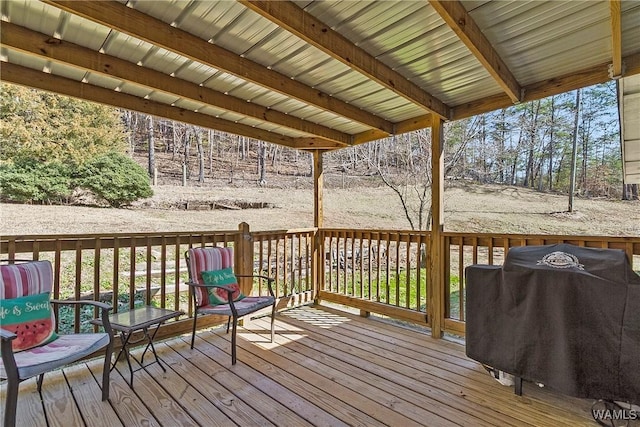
(587, 77)
(139, 25)
(17, 74)
(404, 126)
(616, 39)
(305, 143)
(289, 16)
(459, 20)
(20, 38)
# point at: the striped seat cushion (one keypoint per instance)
(64, 350)
(244, 306)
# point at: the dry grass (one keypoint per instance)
(472, 208)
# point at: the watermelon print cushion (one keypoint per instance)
(224, 277)
(30, 318)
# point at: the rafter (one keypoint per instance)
(554, 86)
(616, 38)
(17, 74)
(459, 20)
(404, 126)
(39, 44)
(136, 24)
(289, 16)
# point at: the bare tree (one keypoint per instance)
(407, 166)
(574, 153)
(152, 146)
(198, 133)
(262, 174)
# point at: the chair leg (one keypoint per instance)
(233, 341)
(106, 370)
(228, 323)
(11, 402)
(273, 321)
(193, 332)
(40, 378)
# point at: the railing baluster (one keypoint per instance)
(96, 275)
(116, 274)
(408, 270)
(149, 268)
(78, 283)
(163, 275)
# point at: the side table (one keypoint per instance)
(138, 319)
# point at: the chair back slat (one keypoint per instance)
(29, 278)
(207, 259)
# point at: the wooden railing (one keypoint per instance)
(376, 271)
(125, 269)
(380, 271)
(464, 249)
(132, 269)
(287, 256)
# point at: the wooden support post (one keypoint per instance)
(317, 258)
(243, 254)
(318, 184)
(436, 247)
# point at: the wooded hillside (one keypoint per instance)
(528, 145)
(532, 145)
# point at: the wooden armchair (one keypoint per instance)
(29, 343)
(215, 290)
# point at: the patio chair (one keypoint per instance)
(29, 343)
(215, 290)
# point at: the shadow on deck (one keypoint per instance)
(326, 367)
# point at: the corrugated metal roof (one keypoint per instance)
(537, 40)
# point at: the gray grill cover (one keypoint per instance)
(562, 315)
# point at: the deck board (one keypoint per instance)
(326, 368)
(87, 395)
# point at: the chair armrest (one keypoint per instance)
(197, 285)
(7, 336)
(83, 302)
(269, 280)
(104, 310)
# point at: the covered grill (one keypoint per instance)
(561, 315)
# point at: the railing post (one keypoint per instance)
(243, 253)
(317, 263)
(318, 217)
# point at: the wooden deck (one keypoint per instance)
(326, 368)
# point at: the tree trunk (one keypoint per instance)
(514, 160)
(152, 146)
(187, 140)
(210, 138)
(262, 174)
(200, 155)
(533, 128)
(128, 120)
(551, 135)
(574, 152)
(175, 141)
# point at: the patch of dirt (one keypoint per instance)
(468, 207)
